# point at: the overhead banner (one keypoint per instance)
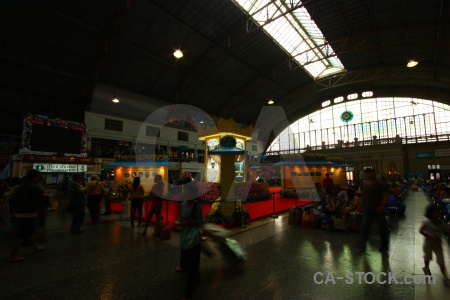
(60, 168)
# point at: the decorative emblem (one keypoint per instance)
(347, 116)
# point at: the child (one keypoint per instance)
(432, 230)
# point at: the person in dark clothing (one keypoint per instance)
(109, 188)
(375, 199)
(327, 183)
(65, 186)
(77, 200)
(190, 221)
(155, 194)
(27, 201)
(136, 200)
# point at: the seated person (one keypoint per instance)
(445, 196)
(333, 203)
(341, 192)
(395, 189)
(351, 203)
(317, 197)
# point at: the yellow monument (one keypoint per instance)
(225, 158)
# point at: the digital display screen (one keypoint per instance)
(54, 139)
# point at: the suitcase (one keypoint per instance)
(217, 233)
(165, 234)
(295, 215)
(233, 252)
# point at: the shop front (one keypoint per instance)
(53, 168)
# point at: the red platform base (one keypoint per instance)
(257, 210)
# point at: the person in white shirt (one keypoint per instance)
(317, 197)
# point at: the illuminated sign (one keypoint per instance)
(60, 168)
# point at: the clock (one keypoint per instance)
(346, 116)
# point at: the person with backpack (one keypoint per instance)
(190, 221)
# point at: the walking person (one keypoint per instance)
(27, 201)
(77, 201)
(156, 196)
(137, 196)
(375, 199)
(432, 229)
(95, 192)
(190, 221)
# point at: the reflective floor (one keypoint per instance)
(113, 261)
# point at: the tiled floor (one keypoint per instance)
(112, 261)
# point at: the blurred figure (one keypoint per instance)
(432, 229)
(27, 200)
(155, 194)
(375, 199)
(137, 196)
(63, 186)
(15, 181)
(190, 221)
(77, 201)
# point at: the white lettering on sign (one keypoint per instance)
(62, 168)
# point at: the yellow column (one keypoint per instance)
(227, 184)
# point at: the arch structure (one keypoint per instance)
(363, 122)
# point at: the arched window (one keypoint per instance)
(411, 119)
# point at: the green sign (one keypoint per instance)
(346, 116)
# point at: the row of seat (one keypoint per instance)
(443, 204)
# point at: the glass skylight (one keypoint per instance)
(296, 33)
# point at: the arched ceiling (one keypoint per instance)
(60, 58)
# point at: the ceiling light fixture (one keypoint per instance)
(270, 102)
(178, 53)
(115, 99)
(411, 63)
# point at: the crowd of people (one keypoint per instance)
(439, 193)
(366, 201)
(26, 198)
